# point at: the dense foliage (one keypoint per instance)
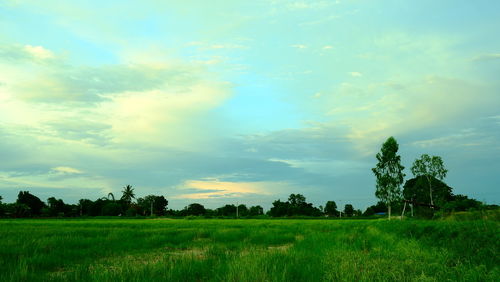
(296, 205)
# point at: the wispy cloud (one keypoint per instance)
(355, 74)
(67, 169)
(39, 52)
(487, 57)
(305, 5)
(213, 188)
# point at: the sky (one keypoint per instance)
(224, 102)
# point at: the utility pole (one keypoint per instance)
(340, 206)
(151, 207)
(237, 209)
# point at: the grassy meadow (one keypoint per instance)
(248, 250)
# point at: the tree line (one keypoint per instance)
(424, 195)
(29, 205)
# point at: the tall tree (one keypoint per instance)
(331, 208)
(430, 167)
(128, 194)
(349, 210)
(389, 173)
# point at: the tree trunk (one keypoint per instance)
(430, 190)
(389, 208)
(403, 213)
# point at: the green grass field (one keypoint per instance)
(248, 250)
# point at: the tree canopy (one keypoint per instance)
(34, 203)
(296, 205)
(417, 190)
(331, 208)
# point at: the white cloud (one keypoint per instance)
(299, 46)
(166, 117)
(214, 188)
(355, 74)
(165, 103)
(39, 52)
(67, 169)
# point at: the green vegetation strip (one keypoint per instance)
(248, 250)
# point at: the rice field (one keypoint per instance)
(248, 250)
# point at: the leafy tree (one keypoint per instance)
(417, 190)
(56, 206)
(33, 202)
(348, 210)
(389, 173)
(255, 210)
(279, 209)
(429, 167)
(195, 209)
(296, 205)
(296, 200)
(331, 208)
(378, 208)
(128, 194)
(153, 204)
(299, 206)
(242, 210)
(84, 206)
(227, 210)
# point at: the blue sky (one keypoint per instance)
(245, 101)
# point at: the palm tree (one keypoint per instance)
(128, 194)
(110, 195)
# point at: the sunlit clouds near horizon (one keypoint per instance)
(221, 102)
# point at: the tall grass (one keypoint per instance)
(248, 250)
